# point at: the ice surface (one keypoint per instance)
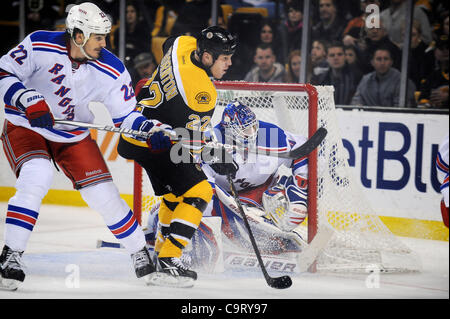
(63, 262)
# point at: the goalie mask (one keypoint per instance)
(240, 124)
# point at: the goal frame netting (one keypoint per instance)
(359, 240)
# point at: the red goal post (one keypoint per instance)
(312, 125)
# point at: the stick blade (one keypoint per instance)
(282, 282)
(310, 145)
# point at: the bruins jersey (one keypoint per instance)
(180, 92)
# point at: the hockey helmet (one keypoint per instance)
(88, 18)
(216, 41)
(240, 123)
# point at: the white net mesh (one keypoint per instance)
(360, 239)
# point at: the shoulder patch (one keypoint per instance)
(203, 98)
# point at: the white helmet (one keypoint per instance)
(89, 19)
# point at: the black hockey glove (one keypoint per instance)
(225, 168)
(220, 161)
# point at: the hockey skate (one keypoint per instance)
(142, 263)
(172, 272)
(11, 269)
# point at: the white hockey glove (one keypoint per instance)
(36, 108)
(286, 202)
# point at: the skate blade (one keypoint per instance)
(9, 284)
(166, 280)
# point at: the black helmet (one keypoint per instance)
(216, 41)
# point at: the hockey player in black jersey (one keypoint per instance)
(181, 95)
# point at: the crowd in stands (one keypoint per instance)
(350, 46)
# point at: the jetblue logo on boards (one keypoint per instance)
(381, 151)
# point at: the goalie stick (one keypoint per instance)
(274, 282)
(298, 152)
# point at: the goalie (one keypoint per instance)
(273, 190)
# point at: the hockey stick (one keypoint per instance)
(310, 144)
(277, 282)
(108, 244)
(110, 128)
(299, 152)
(296, 153)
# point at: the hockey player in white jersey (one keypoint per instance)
(283, 198)
(280, 198)
(275, 203)
(56, 75)
(442, 173)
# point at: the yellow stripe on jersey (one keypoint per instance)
(134, 141)
(195, 85)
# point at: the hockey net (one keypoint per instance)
(359, 240)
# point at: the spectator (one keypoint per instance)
(246, 28)
(220, 19)
(340, 75)
(354, 31)
(420, 60)
(352, 57)
(445, 26)
(393, 19)
(319, 62)
(192, 17)
(382, 86)
(374, 39)
(434, 90)
(59, 25)
(439, 10)
(269, 34)
(331, 25)
(267, 69)
(137, 36)
(41, 15)
(291, 29)
(441, 27)
(349, 9)
(293, 67)
(164, 19)
(144, 65)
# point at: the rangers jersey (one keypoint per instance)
(256, 169)
(442, 168)
(42, 62)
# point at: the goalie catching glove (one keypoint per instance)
(159, 141)
(285, 203)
